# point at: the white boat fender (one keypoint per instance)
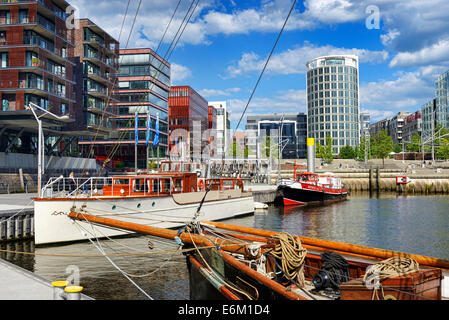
(260, 205)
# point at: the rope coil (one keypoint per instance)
(292, 255)
(386, 269)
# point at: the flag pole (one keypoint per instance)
(136, 133)
(148, 138)
(157, 132)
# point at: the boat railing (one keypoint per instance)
(69, 187)
(123, 186)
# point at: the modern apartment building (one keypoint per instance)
(223, 128)
(35, 67)
(95, 56)
(333, 100)
(378, 126)
(395, 126)
(442, 99)
(292, 139)
(189, 119)
(143, 84)
(412, 125)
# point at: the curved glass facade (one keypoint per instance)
(333, 100)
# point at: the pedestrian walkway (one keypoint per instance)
(19, 284)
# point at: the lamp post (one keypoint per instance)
(41, 154)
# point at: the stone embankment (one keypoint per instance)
(424, 181)
(378, 175)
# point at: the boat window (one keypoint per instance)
(166, 185)
(121, 181)
(156, 186)
(178, 185)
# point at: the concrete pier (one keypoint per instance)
(16, 216)
(20, 284)
(263, 193)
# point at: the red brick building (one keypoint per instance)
(143, 85)
(95, 56)
(34, 51)
(188, 115)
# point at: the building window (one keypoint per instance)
(4, 59)
(5, 17)
(23, 16)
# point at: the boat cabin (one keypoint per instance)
(141, 185)
(326, 180)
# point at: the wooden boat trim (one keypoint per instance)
(225, 291)
(341, 247)
(259, 277)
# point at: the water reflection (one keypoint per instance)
(414, 224)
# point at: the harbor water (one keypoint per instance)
(413, 224)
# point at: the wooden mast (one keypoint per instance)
(362, 251)
(160, 232)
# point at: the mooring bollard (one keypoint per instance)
(73, 292)
(58, 289)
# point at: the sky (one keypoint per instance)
(402, 45)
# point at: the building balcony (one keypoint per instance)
(97, 76)
(40, 68)
(95, 59)
(103, 126)
(4, 4)
(101, 110)
(36, 87)
(98, 93)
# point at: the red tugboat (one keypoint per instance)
(311, 188)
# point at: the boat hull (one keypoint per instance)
(52, 224)
(299, 194)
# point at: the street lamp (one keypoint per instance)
(40, 156)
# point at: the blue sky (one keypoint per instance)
(222, 50)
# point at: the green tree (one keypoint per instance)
(382, 145)
(397, 148)
(443, 149)
(347, 152)
(325, 152)
(415, 144)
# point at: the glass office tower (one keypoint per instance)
(333, 100)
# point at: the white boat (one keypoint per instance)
(168, 199)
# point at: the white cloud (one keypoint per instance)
(179, 72)
(334, 11)
(436, 53)
(207, 93)
(407, 92)
(293, 61)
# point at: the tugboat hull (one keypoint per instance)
(301, 194)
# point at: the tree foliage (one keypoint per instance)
(382, 145)
(325, 152)
(415, 144)
(347, 152)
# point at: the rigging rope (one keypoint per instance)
(292, 255)
(389, 268)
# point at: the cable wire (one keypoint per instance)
(265, 66)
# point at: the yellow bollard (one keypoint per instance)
(73, 292)
(58, 289)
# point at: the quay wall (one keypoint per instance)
(430, 182)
